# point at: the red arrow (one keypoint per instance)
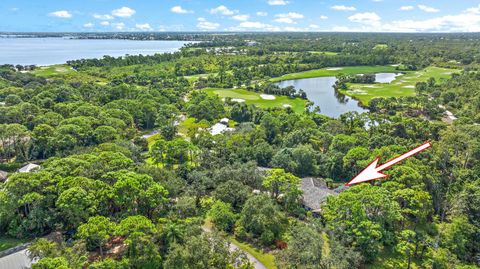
(372, 171)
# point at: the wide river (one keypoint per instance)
(47, 51)
(332, 103)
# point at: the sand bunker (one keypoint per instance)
(286, 105)
(267, 97)
(238, 100)
(334, 68)
(409, 87)
(358, 92)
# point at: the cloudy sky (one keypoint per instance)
(240, 15)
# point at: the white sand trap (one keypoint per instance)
(359, 92)
(238, 100)
(334, 68)
(395, 65)
(371, 86)
(447, 73)
(267, 97)
(286, 105)
(409, 87)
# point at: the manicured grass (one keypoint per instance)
(196, 77)
(297, 104)
(63, 71)
(53, 70)
(190, 124)
(333, 71)
(266, 258)
(381, 46)
(403, 85)
(330, 53)
(152, 139)
(9, 242)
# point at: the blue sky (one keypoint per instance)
(240, 15)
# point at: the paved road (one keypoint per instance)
(17, 260)
(256, 263)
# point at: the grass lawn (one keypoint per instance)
(190, 124)
(9, 242)
(403, 85)
(297, 104)
(330, 53)
(53, 70)
(333, 71)
(266, 258)
(63, 71)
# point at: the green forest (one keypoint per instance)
(199, 159)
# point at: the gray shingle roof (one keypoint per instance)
(315, 192)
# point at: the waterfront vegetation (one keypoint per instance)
(402, 86)
(334, 71)
(241, 95)
(130, 169)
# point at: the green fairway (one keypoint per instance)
(330, 53)
(53, 70)
(297, 104)
(403, 85)
(333, 71)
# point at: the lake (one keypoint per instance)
(332, 103)
(47, 51)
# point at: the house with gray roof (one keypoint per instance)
(315, 193)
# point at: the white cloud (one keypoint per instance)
(14, 9)
(223, 10)
(206, 25)
(323, 17)
(119, 25)
(180, 10)
(428, 9)
(377, 1)
(252, 24)
(89, 25)
(143, 26)
(406, 8)
(343, 8)
(294, 29)
(262, 14)
(474, 10)
(314, 26)
(466, 21)
(288, 17)
(103, 16)
(278, 2)
(369, 18)
(255, 26)
(284, 20)
(123, 12)
(244, 17)
(61, 14)
(105, 23)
